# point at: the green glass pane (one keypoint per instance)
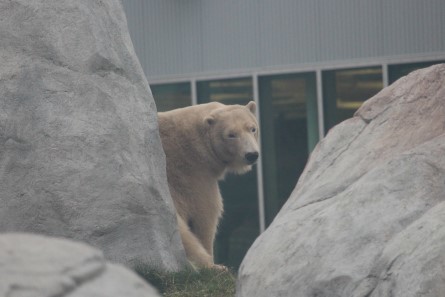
(345, 90)
(171, 96)
(289, 131)
(227, 91)
(397, 71)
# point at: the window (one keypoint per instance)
(240, 224)
(227, 91)
(289, 131)
(171, 96)
(345, 90)
(399, 70)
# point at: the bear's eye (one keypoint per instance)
(253, 129)
(232, 135)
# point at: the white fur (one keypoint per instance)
(201, 144)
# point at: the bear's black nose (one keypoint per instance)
(251, 157)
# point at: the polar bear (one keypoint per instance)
(202, 143)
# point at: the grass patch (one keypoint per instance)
(190, 283)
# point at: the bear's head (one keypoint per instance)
(233, 132)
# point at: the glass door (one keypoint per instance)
(289, 132)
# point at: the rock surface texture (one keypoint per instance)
(80, 153)
(367, 217)
(40, 266)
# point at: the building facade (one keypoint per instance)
(308, 64)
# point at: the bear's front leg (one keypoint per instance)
(205, 231)
(206, 236)
(195, 251)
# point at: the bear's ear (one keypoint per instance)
(251, 106)
(209, 120)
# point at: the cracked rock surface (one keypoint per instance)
(80, 153)
(40, 266)
(367, 217)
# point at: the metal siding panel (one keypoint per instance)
(368, 32)
(287, 35)
(228, 29)
(190, 39)
(174, 37)
(349, 29)
(166, 34)
(410, 26)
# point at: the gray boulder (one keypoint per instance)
(39, 266)
(80, 153)
(367, 217)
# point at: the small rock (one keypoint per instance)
(40, 266)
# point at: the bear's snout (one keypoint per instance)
(251, 157)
